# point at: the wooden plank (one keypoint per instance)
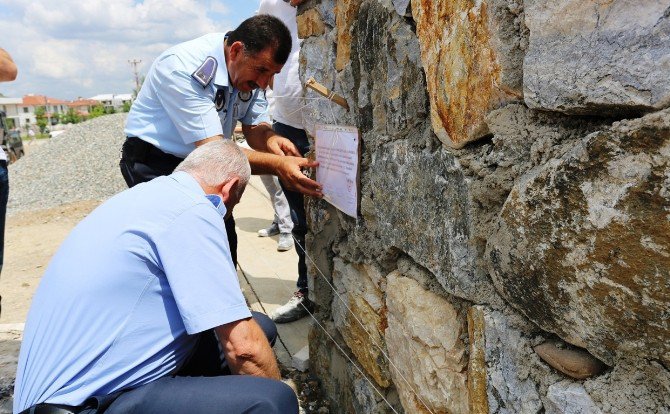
(323, 91)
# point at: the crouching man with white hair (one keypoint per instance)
(142, 298)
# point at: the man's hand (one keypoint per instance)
(282, 146)
(8, 69)
(289, 171)
(262, 138)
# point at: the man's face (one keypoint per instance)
(248, 72)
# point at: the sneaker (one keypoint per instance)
(297, 307)
(270, 231)
(285, 242)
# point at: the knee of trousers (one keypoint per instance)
(267, 325)
(276, 397)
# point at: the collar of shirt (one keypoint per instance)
(191, 184)
(221, 76)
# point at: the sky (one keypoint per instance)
(72, 48)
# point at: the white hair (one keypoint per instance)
(217, 162)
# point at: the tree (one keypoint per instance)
(126, 106)
(40, 115)
(71, 117)
(136, 90)
(96, 111)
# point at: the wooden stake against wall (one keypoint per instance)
(323, 91)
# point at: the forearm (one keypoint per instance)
(262, 364)
(8, 69)
(247, 349)
(262, 162)
(257, 136)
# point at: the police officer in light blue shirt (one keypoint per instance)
(196, 92)
(124, 313)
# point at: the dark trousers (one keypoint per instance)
(202, 386)
(142, 162)
(4, 194)
(296, 202)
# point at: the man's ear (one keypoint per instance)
(229, 189)
(236, 49)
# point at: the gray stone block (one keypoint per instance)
(597, 57)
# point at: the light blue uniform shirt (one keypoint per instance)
(173, 110)
(120, 300)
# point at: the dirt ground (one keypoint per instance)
(31, 238)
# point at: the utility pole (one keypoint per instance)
(46, 110)
(134, 63)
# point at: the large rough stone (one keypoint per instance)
(344, 382)
(509, 361)
(346, 11)
(428, 358)
(310, 23)
(359, 314)
(583, 243)
(633, 386)
(472, 53)
(522, 139)
(437, 236)
(389, 89)
(567, 397)
(595, 57)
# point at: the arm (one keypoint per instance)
(278, 156)
(247, 349)
(8, 69)
(261, 137)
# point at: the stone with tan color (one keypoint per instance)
(310, 23)
(472, 53)
(359, 292)
(478, 400)
(576, 363)
(425, 347)
(346, 11)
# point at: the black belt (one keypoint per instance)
(137, 150)
(52, 409)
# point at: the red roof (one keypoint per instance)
(83, 102)
(41, 100)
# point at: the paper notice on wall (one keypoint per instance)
(338, 154)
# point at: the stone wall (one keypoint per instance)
(512, 252)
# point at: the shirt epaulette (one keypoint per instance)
(205, 72)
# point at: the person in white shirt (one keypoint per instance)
(287, 121)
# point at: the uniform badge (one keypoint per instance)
(220, 99)
(244, 96)
(205, 73)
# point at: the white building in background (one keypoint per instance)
(12, 108)
(22, 110)
(115, 101)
